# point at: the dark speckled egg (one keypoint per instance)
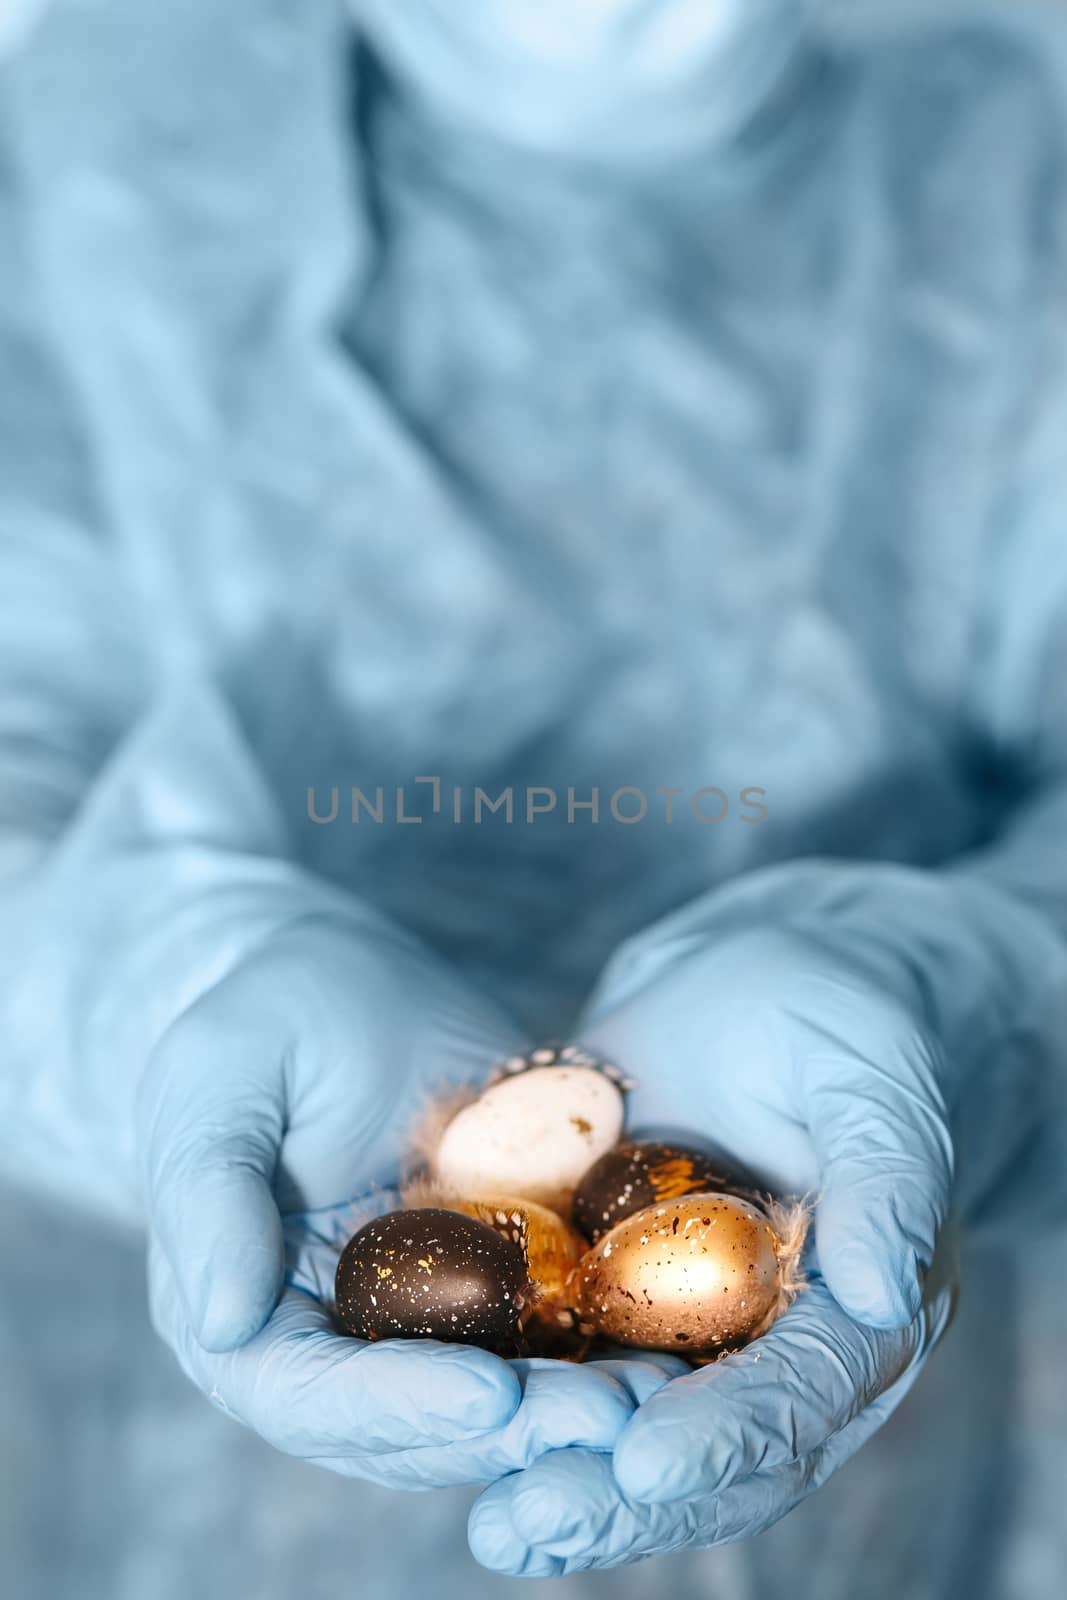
(639, 1173)
(431, 1274)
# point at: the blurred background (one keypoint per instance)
(119, 1482)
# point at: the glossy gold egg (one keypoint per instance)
(693, 1275)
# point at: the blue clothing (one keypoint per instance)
(433, 455)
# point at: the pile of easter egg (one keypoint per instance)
(533, 1227)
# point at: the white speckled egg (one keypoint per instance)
(534, 1135)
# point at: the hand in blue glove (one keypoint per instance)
(820, 1024)
(288, 1086)
(199, 1033)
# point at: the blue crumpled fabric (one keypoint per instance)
(437, 455)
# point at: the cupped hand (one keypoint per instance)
(281, 1093)
(811, 1061)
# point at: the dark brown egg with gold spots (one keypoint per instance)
(431, 1274)
(639, 1173)
(693, 1275)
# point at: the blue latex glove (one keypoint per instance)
(289, 1084)
(190, 1010)
(843, 1032)
(393, 1411)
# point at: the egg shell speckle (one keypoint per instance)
(533, 1134)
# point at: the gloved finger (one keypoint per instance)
(845, 1081)
(684, 1019)
(563, 1406)
(640, 1378)
(312, 1392)
(871, 1097)
(620, 1357)
(566, 1514)
(764, 1406)
(569, 1512)
(210, 1115)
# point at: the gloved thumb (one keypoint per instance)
(878, 1125)
(842, 1086)
(211, 1126)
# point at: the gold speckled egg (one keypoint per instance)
(431, 1274)
(692, 1275)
